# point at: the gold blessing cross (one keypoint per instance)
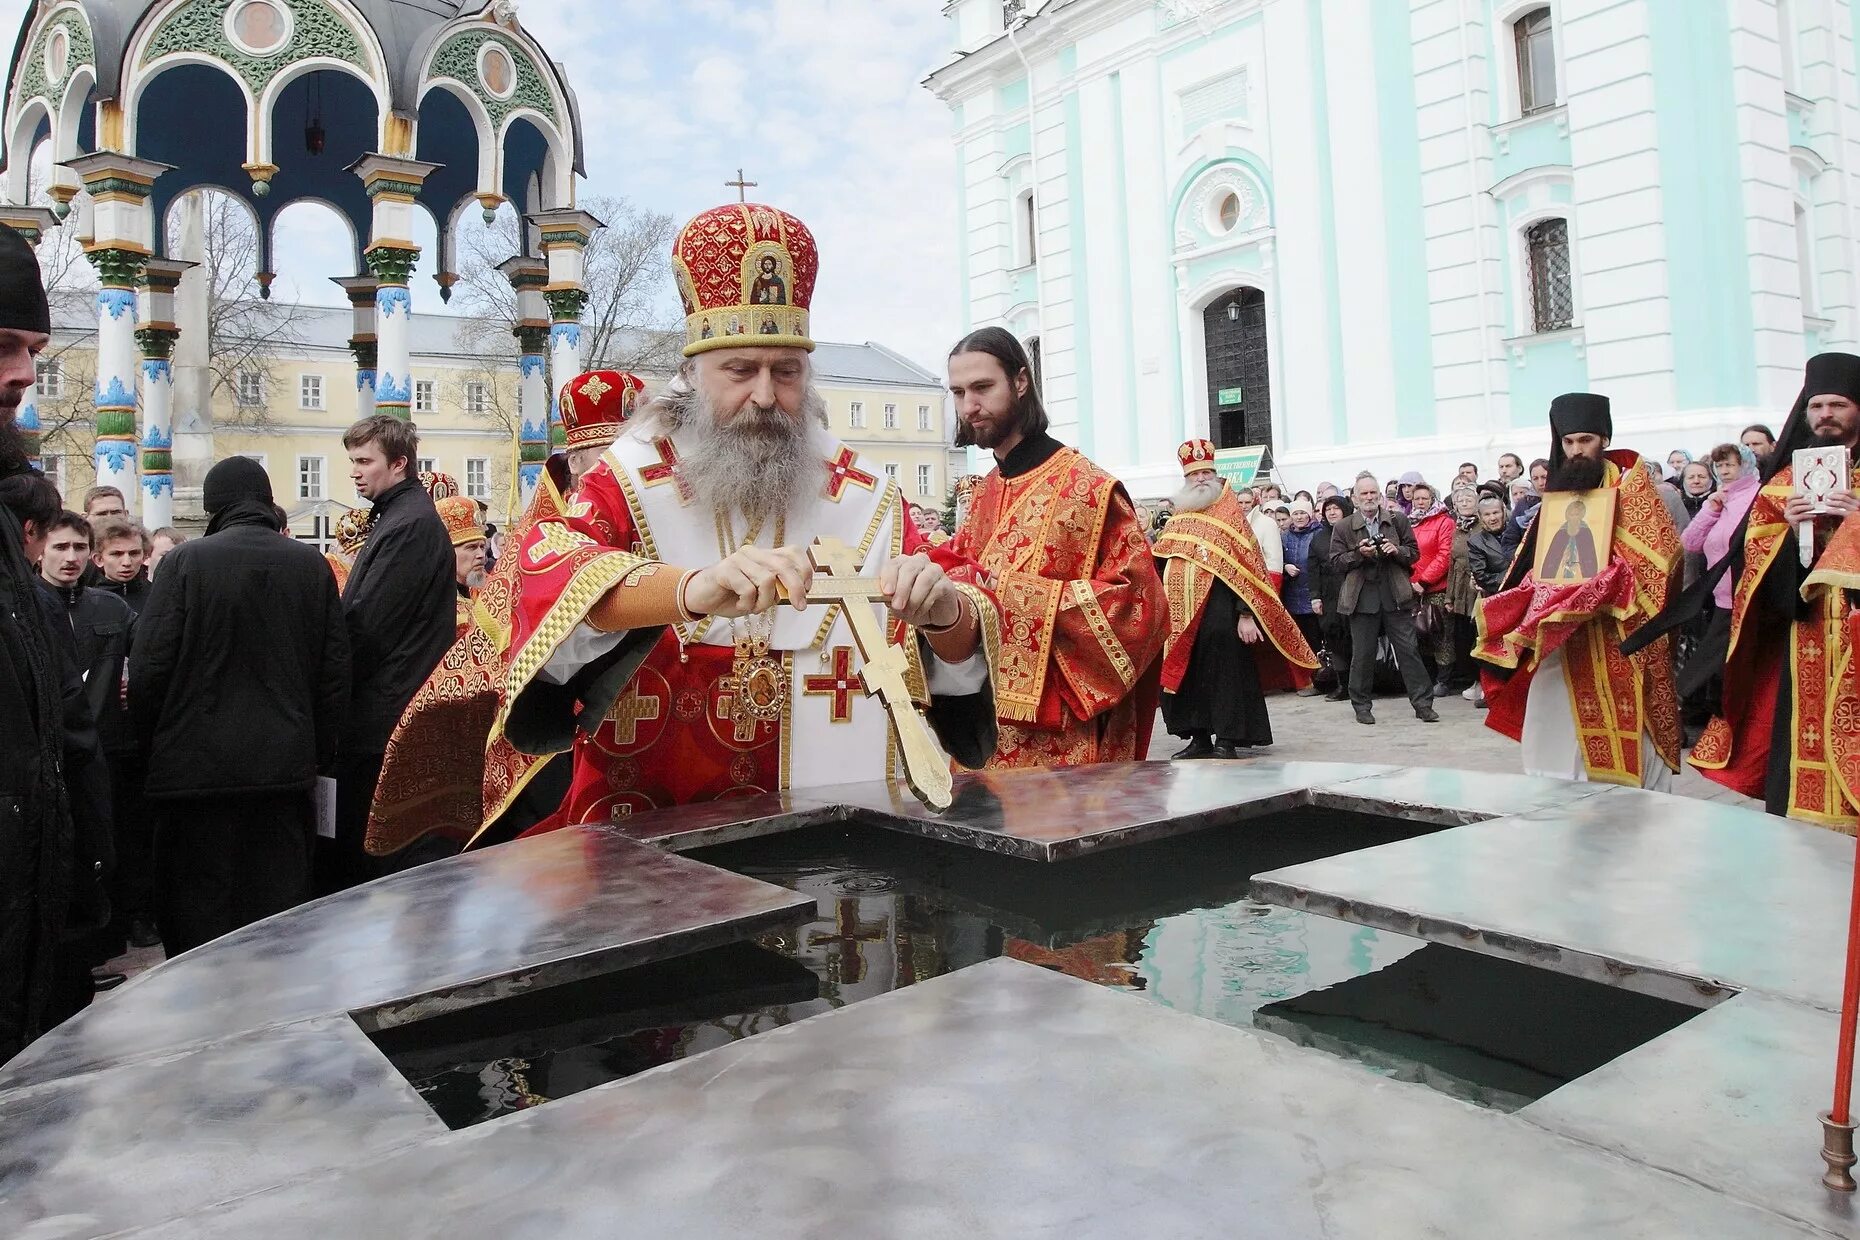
(837, 579)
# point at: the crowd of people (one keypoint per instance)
(196, 733)
(1453, 544)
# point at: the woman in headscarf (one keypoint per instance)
(1676, 462)
(1695, 484)
(1524, 499)
(1325, 584)
(1462, 590)
(1708, 541)
(1434, 529)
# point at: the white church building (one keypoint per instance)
(1384, 233)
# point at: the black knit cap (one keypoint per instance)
(1577, 413)
(22, 287)
(234, 479)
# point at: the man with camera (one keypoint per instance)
(1373, 550)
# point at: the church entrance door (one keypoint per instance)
(1239, 390)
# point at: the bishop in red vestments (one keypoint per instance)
(1084, 619)
(661, 631)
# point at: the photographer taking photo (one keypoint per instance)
(1373, 551)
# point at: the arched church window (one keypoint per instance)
(1805, 262)
(1553, 302)
(1026, 230)
(1536, 61)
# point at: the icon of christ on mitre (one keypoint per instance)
(662, 627)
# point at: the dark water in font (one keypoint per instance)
(1167, 921)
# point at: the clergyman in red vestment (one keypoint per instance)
(1230, 637)
(1790, 728)
(1084, 619)
(650, 634)
(1557, 679)
(450, 777)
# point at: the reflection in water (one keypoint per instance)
(1165, 920)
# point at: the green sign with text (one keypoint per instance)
(1239, 465)
(1229, 396)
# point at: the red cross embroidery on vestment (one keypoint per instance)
(666, 470)
(840, 685)
(841, 470)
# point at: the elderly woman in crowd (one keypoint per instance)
(1695, 484)
(1326, 582)
(1708, 537)
(1433, 533)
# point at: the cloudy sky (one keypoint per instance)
(818, 100)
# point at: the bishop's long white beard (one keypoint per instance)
(755, 464)
(1195, 497)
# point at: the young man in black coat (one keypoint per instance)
(401, 614)
(238, 681)
(100, 624)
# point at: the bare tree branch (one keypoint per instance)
(246, 333)
(630, 323)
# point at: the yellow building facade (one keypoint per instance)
(288, 411)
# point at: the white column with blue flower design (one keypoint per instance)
(564, 235)
(565, 307)
(362, 341)
(116, 371)
(392, 183)
(119, 247)
(533, 413)
(156, 337)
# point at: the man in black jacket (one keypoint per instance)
(119, 549)
(399, 604)
(100, 623)
(238, 677)
(1374, 549)
(41, 701)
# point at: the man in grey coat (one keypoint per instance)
(1373, 550)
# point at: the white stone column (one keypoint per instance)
(392, 184)
(564, 235)
(193, 452)
(116, 371)
(362, 342)
(156, 337)
(119, 247)
(1767, 191)
(528, 276)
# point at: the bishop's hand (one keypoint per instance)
(919, 593)
(749, 581)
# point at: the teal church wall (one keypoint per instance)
(1411, 337)
(1714, 346)
(1534, 142)
(1551, 366)
(1081, 274)
(1327, 209)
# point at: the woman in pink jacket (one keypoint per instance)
(1709, 535)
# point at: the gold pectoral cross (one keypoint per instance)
(837, 579)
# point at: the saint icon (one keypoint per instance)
(769, 289)
(1571, 556)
